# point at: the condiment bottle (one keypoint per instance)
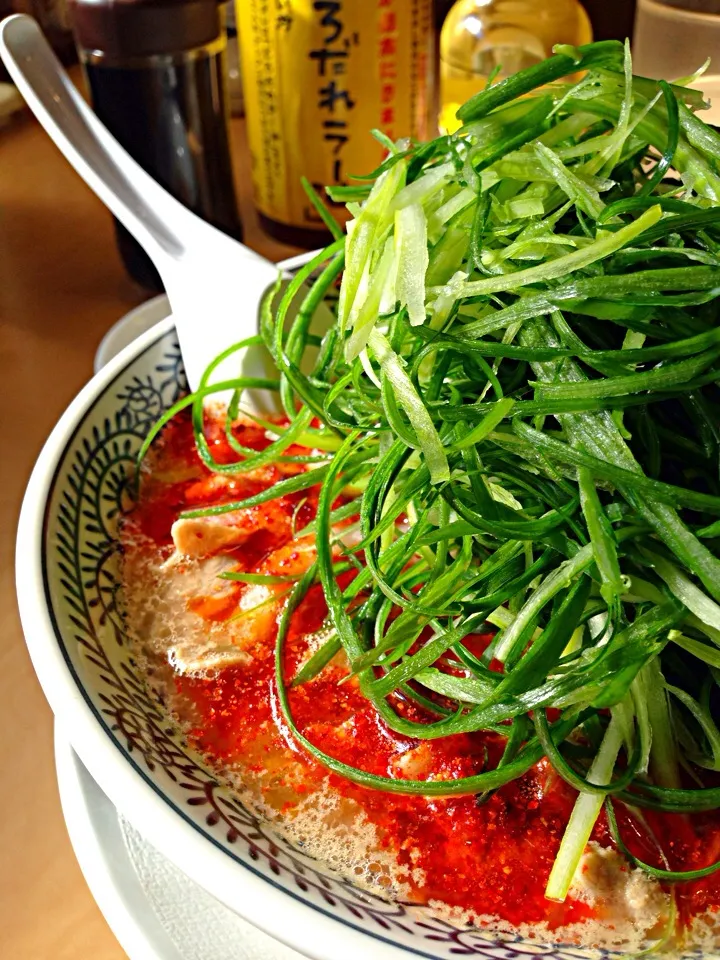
(318, 75)
(155, 70)
(484, 38)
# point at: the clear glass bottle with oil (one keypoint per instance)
(482, 38)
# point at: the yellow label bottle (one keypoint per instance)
(318, 75)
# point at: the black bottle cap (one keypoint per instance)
(143, 28)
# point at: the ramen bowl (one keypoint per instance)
(72, 613)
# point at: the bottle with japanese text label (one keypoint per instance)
(484, 38)
(318, 76)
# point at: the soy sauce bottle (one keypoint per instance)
(156, 75)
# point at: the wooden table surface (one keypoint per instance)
(61, 287)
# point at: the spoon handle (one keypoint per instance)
(156, 219)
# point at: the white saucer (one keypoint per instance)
(154, 910)
(94, 828)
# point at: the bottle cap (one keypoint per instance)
(143, 28)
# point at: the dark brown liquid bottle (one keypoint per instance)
(155, 71)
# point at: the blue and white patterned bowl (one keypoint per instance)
(68, 589)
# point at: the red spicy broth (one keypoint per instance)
(484, 857)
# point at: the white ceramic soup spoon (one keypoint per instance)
(215, 284)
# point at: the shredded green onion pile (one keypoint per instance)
(524, 372)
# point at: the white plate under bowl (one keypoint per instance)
(68, 592)
(154, 910)
(96, 836)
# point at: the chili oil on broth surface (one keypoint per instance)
(207, 644)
